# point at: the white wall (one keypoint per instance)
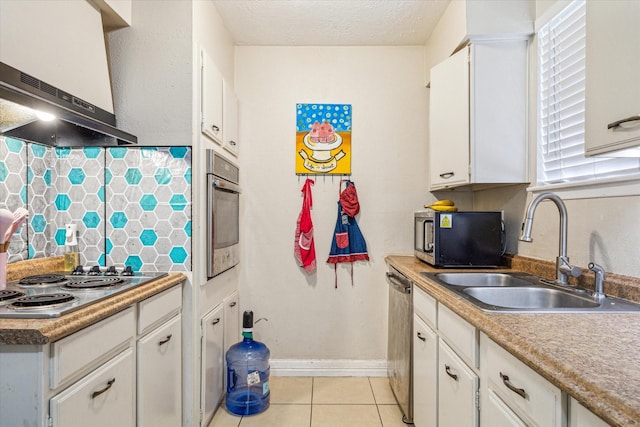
(308, 317)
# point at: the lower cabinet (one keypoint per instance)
(445, 381)
(531, 399)
(125, 370)
(159, 376)
(457, 390)
(212, 362)
(579, 416)
(496, 413)
(425, 378)
(104, 398)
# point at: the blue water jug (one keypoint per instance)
(247, 373)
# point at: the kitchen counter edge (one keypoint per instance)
(526, 337)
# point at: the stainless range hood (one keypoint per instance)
(77, 123)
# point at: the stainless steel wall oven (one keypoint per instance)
(223, 214)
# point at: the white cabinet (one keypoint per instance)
(533, 399)
(231, 320)
(612, 70)
(105, 398)
(211, 98)
(212, 369)
(457, 390)
(579, 416)
(230, 119)
(445, 378)
(159, 356)
(425, 359)
(478, 116)
(496, 413)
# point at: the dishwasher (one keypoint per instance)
(399, 344)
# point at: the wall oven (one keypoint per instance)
(223, 214)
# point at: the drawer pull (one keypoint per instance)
(421, 337)
(215, 128)
(166, 340)
(232, 143)
(447, 175)
(519, 391)
(448, 371)
(215, 321)
(232, 304)
(99, 392)
(621, 123)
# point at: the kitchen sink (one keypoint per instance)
(516, 292)
(486, 279)
(529, 297)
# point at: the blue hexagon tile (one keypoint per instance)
(148, 208)
(132, 205)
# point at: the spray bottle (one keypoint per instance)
(71, 256)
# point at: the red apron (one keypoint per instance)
(303, 248)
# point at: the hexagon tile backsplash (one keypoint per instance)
(132, 205)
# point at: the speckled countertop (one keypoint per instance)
(593, 357)
(42, 331)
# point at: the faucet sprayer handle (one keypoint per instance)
(600, 276)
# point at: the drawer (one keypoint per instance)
(158, 308)
(103, 398)
(459, 334)
(424, 305)
(79, 353)
(524, 391)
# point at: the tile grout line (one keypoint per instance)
(311, 410)
(375, 401)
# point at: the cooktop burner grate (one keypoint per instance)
(93, 283)
(42, 280)
(42, 301)
(10, 294)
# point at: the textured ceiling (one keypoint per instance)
(330, 22)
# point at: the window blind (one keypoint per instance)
(561, 104)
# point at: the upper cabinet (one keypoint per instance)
(612, 82)
(211, 124)
(230, 118)
(478, 116)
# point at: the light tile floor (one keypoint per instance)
(322, 402)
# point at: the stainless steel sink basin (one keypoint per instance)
(484, 279)
(516, 292)
(528, 297)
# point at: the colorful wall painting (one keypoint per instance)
(323, 139)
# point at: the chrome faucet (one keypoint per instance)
(563, 267)
(600, 274)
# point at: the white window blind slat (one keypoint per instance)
(561, 105)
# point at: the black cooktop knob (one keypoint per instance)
(128, 271)
(111, 271)
(95, 271)
(78, 271)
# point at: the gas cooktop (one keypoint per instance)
(56, 294)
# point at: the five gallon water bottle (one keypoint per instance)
(247, 373)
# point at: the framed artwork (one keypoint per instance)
(323, 139)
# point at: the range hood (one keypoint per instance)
(76, 122)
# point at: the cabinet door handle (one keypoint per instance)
(519, 391)
(421, 337)
(448, 371)
(232, 142)
(215, 128)
(447, 175)
(166, 340)
(215, 321)
(619, 123)
(107, 387)
(232, 304)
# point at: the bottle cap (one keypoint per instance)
(247, 319)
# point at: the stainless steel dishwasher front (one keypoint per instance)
(399, 344)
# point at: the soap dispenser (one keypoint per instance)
(71, 256)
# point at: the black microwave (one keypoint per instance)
(459, 239)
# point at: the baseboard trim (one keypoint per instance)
(328, 368)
